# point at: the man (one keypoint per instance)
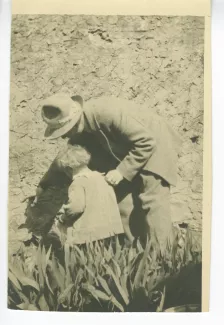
(142, 146)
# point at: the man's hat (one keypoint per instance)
(61, 112)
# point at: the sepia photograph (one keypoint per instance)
(106, 163)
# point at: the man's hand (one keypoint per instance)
(113, 177)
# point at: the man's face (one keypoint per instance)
(75, 131)
(69, 134)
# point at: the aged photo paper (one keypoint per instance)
(110, 156)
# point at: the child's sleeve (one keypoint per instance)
(76, 203)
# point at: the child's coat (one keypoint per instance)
(93, 203)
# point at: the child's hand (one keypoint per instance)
(63, 213)
(114, 177)
(39, 191)
(60, 214)
(61, 228)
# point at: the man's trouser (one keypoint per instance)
(151, 215)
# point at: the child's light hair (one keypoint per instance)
(73, 157)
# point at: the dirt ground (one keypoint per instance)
(153, 60)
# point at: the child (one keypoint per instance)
(91, 212)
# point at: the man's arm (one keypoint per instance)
(126, 129)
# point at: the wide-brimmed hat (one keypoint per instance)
(61, 112)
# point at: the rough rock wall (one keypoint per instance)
(154, 60)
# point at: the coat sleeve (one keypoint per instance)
(54, 176)
(126, 129)
(50, 176)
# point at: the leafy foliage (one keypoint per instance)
(101, 276)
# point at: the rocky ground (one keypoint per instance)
(154, 60)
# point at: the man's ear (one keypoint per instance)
(78, 99)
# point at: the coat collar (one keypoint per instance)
(90, 118)
(86, 173)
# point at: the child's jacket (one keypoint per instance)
(93, 202)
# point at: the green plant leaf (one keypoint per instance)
(184, 308)
(130, 286)
(101, 295)
(81, 254)
(43, 304)
(119, 287)
(139, 247)
(75, 298)
(43, 260)
(61, 270)
(14, 280)
(117, 304)
(40, 268)
(146, 273)
(79, 277)
(104, 285)
(140, 270)
(22, 296)
(90, 272)
(124, 279)
(131, 255)
(32, 307)
(135, 262)
(56, 274)
(116, 268)
(107, 255)
(48, 255)
(48, 284)
(110, 249)
(91, 289)
(67, 256)
(160, 307)
(118, 249)
(65, 293)
(23, 306)
(25, 281)
(17, 269)
(98, 248)
(16, 275)
(99, 261)
(73, 259)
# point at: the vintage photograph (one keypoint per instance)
(106, 163)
